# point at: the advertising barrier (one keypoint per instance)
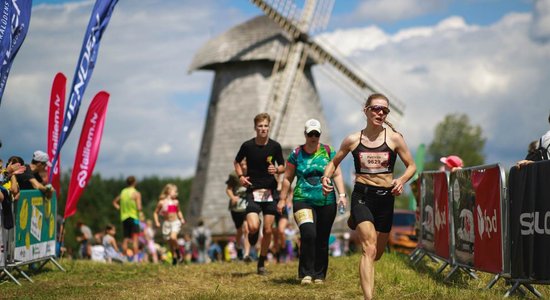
(529, 198)
(435, 213)
(35, 227)
(477, 196)
(434, 238)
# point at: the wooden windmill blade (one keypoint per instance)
(321, 55)
(285, 80)
(288, 71)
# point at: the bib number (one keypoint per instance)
(303, 216)
(241, 205)
(374, 162)
(262, 195)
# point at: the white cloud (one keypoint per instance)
(540, 28)
(485, 72)
(163, 149)
(496, 74)
(143, 61)
(388, 11)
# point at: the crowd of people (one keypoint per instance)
(264, 192)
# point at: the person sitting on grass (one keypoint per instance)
(111, 248)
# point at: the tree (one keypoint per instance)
(455, 136)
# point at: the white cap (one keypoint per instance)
(41, 156)
(312, 125)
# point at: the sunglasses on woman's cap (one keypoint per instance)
(313, 133)
(378, 108)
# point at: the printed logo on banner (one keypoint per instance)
(466, 230)
(486, 223)
(440, 219)
(36, 223)
(534, 222)
(429, 223)
(456, 190)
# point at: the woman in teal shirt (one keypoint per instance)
(314, 212)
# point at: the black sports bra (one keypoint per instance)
(379, 160)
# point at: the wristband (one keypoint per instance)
(342, 195)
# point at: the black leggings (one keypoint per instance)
(314, 240)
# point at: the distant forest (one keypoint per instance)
(95, 207)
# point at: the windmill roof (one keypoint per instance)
(257, 39)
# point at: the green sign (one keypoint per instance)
(35, 228)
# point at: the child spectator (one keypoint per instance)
(109, 243)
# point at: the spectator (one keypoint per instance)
(111, 248)
(215, 251)
(451, 163)
(168, 207)
(84, 237)
(202, 238)
(541, 150)
(149, 235)
(129, 204)
(31, 178)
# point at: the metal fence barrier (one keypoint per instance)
(32, 240)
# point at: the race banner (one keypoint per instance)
(87, 151)
(529, 195)
(476, 198)
(87, 60)
(463, 202)
(441, 211)
(57, 105)
(35, 227)
(16, 16)
(427, 219)
(487, 220)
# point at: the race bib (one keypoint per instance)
(241, 205)
(303, 216)
(374, 162)
(262, 195)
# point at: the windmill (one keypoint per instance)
(263, 65)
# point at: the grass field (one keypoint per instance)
(395, 279)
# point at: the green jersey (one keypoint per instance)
(128, 205)
(309, 170)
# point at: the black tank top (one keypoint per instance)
(379, 160)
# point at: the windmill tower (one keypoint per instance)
(262, 65)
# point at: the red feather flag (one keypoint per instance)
(55, 121)
(87, 151)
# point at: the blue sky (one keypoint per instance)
(483, 58)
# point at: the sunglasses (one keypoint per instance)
(379, 108)
(313, 134)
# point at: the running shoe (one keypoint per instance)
(247, 259)
(306, 280)
(318, 281)
(262, 271)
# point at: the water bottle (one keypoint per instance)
(341, 208)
